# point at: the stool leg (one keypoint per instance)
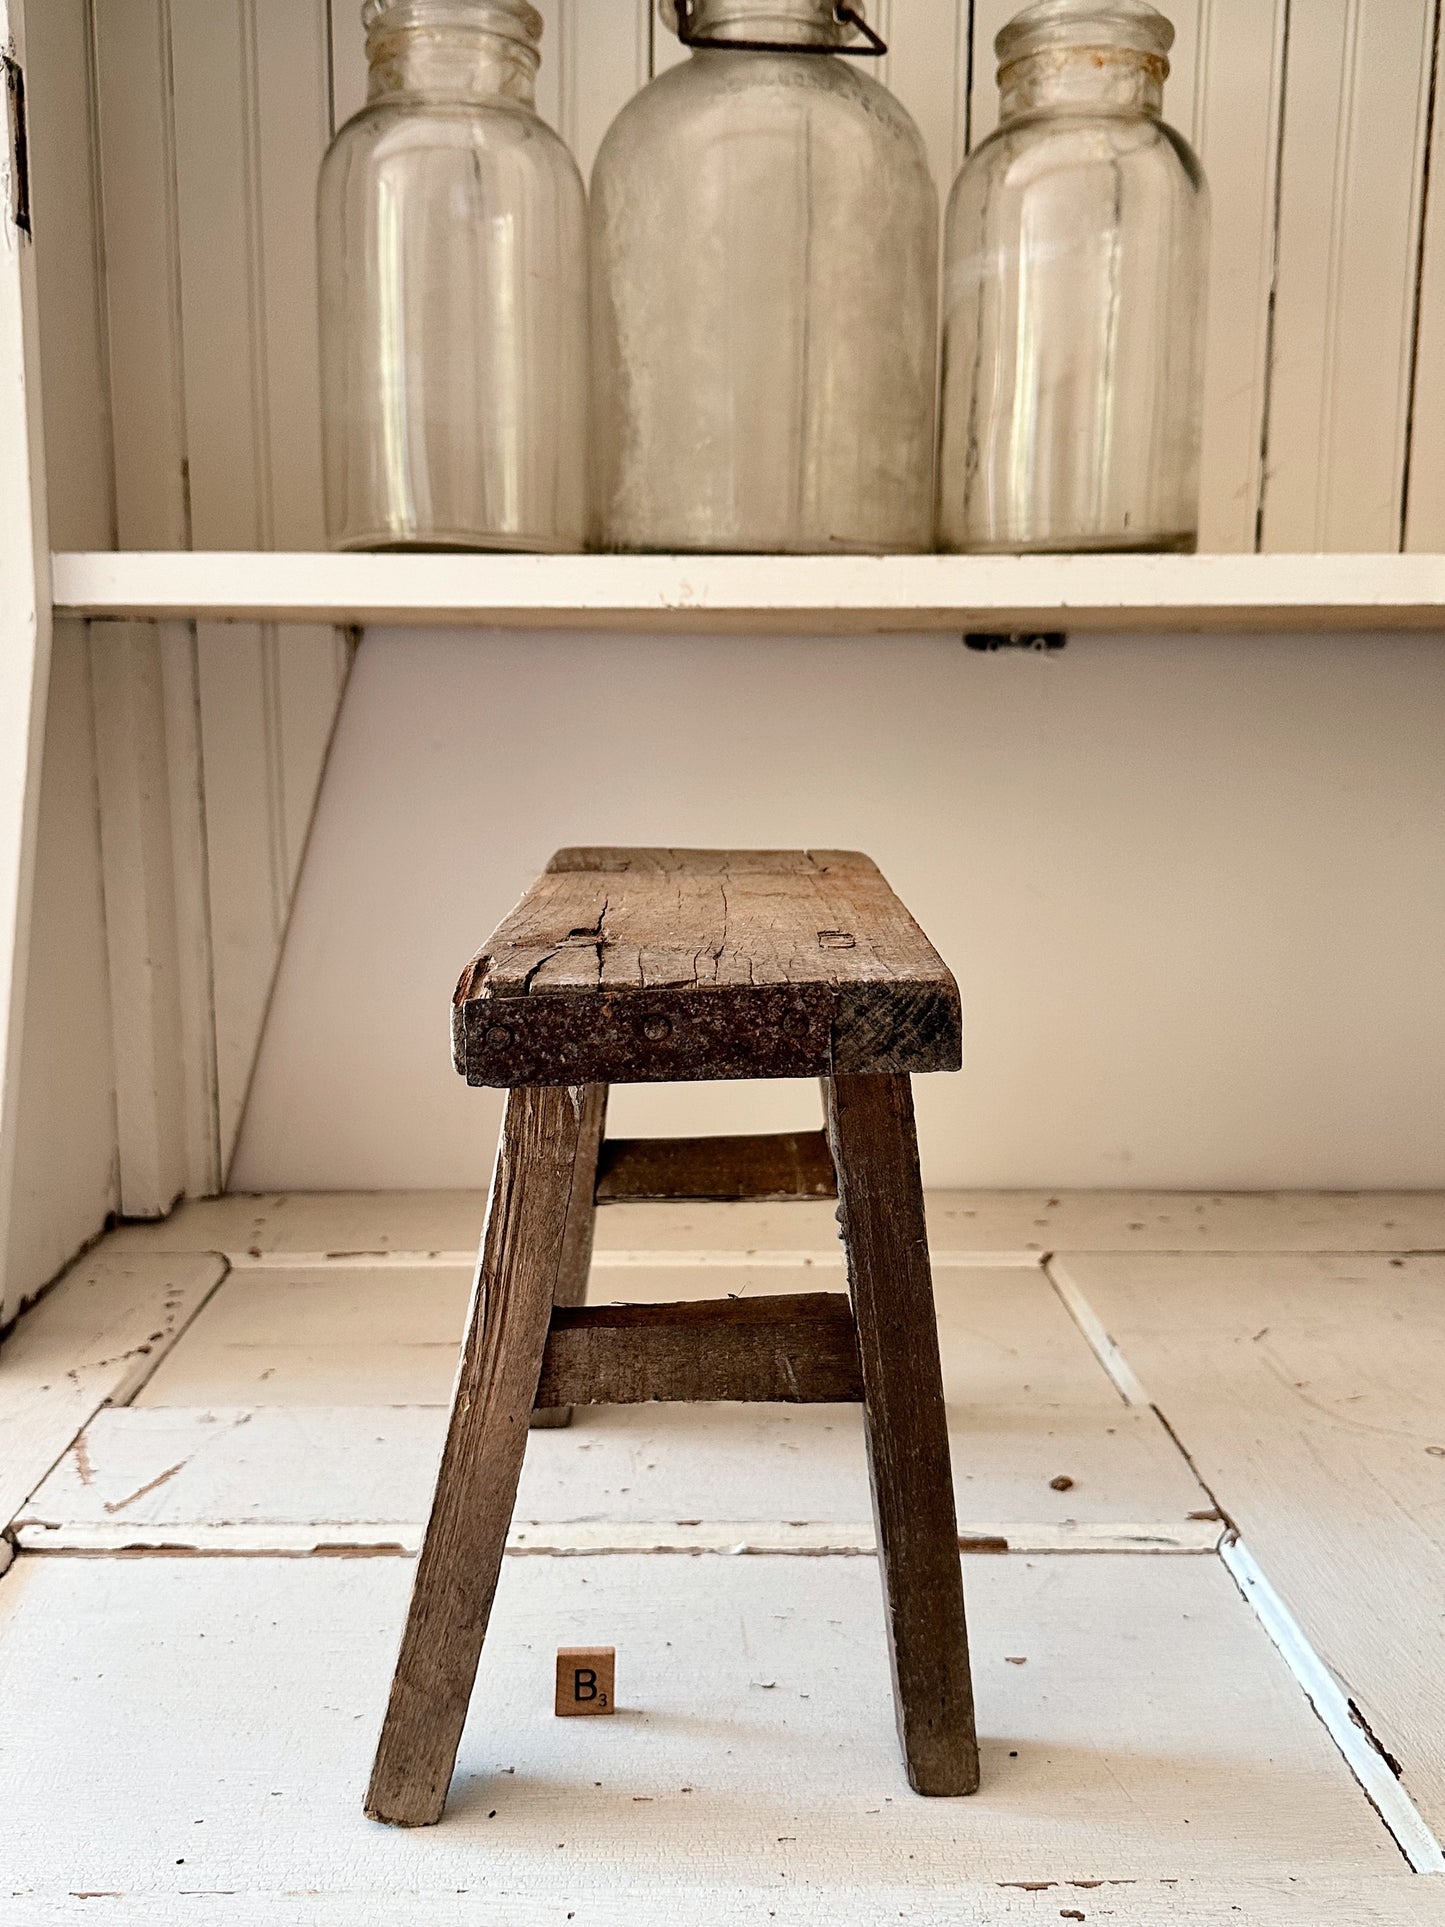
(581, 1218)
(461, 1555)
(880, 1208)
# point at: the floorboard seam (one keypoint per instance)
(1374, 1771)
(1363, 1753)
(146, 1372)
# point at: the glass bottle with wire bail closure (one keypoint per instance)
(764, 268)
(1075, 261)
(452, 232)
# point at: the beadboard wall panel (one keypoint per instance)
(927, 67)
(252, 93)
(601, 55)
(213, 118)
(1357, 102)
(1232, 76)
(151, 794)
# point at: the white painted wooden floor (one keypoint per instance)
(1199, 1449)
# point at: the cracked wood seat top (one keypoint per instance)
(624, 966)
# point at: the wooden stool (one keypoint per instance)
(632, 966)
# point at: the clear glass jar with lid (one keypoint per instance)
(764, 262)
(1075, 262)
(452, 230)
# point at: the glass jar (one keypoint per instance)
(764, 260)
(453, 231)
(1076, 251)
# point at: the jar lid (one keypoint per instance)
(510, 19)
(1133, 26)
(767, 15)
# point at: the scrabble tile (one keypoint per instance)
(586, 1680)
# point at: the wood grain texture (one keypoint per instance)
(880, 1208)
(634, 966)
(581, 1218)
(461, 1556)
(791, 1350)
(768, 1169)
(1306, 1390)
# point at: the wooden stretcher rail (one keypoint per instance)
(794, 1350)
(760, 1169)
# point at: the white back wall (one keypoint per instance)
(1193, 889)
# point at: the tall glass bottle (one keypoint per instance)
(1075, 259)
(764, 261)
(452, 230)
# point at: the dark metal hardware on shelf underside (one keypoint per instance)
(987, 640)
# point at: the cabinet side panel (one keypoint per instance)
(65, 1137)
(24, 632)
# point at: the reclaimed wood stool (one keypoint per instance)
(633, 966)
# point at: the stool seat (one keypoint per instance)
(627, 966)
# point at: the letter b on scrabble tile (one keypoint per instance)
(586, 1680)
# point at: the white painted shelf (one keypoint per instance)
(817, 594)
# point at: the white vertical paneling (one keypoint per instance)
(218, 212)
(175, 643)
(667, 50)
(603, 51)
(1356, 106)
(253, 87)
(147, 744)
(549, 74)
(348, 59)
(294, 88)
(1236, 91)
(141, 913)
(142, 273)
(80, 483)
(1425, 483)
(24, 625)
(988, 17)
(927, 67)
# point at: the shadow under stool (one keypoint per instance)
(635, 966)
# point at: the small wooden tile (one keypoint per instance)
(586, 1680)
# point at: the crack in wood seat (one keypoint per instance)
(628, 966)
